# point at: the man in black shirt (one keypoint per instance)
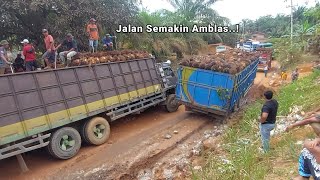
(268, 119)
(71, 49)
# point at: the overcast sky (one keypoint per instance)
(236, 10)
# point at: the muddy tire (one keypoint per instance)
(96, 131)
(171, 103)
(64, 143)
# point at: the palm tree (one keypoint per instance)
(192, 11)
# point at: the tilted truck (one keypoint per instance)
(60, 108)
(211, 92)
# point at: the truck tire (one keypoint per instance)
(96, 131)
(171, 103)
(64, 143)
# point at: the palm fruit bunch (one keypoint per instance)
(232, 61)
(106, 57)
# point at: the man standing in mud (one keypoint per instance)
(268, 119)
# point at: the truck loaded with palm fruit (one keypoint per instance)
(61, 108)
(215, 84)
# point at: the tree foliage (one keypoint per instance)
(279, 25)
(273, 26)
(25, 18)
(193, 11)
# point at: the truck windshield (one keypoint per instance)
(168, 72)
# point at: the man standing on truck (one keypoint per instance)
(268, 119)
(29, 55)
(71, 49)
(50, 54)
(4, 45)
(93, 33)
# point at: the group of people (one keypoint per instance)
(284, 75)
(294, 75)
(50, 55)
(309, 159)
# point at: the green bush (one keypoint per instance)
(286, 53)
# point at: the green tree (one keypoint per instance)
(193, 11)
(25, 19)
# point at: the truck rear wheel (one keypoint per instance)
(96, 131)
(172, 104)
(64, 143)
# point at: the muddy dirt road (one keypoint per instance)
(133, 139)
(152, 145)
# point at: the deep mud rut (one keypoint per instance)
(136, 142)
(152, 145)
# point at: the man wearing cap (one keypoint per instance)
(108, 42)
(29, 55)
(4, 45)
(71, 49)
(93, 33)
(49, 55)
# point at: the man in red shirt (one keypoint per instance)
(29, 56)
(49, 55)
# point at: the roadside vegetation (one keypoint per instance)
(54, 15)
(61, 17)
(239, 157)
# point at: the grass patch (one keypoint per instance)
(239, 157)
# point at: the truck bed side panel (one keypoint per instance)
(36, 102)
(202, 87)
(213, 91)
(244, 80)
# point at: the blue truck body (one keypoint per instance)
(213, 92)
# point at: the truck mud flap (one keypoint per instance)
(24, 146)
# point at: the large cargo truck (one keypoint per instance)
(211, 92)
(60, 108)
(265, 58)
(267, 55)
